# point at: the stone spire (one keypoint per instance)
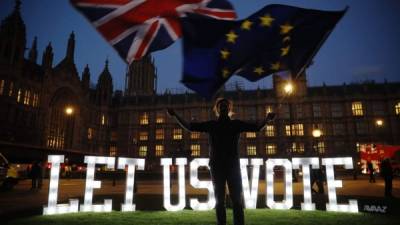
(71, 47)
(13, 36)
(47, 59)
(86, 78)
(33, 51)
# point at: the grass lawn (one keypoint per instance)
(253, 217)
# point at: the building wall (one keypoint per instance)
(34, 99)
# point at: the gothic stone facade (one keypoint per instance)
(52, 107)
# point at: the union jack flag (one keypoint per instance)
(137, 27)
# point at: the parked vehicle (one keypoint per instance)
(8, 174)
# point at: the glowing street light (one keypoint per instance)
(316, 133)
(69, 110)
(379, 122)
(288, 88)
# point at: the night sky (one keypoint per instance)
(364, 46)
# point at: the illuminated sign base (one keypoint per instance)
(250, 189)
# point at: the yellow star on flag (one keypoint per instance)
(224, 54)
(266, 20)
(225, 73)
(275, 66)
(246, 25)
(285, 51)
(231, 36)
(259, 70)
(286, 28)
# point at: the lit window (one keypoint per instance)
(142, 151)
(160, 117)
(270, 149)
(288, 131)
(270, 130)
(144, 119)
(397, 108)
(268, 109)
(357, 108)
(113, 150)
(159, 150)
(35, 101)
(320, 147)
(143, 136)
(298, 129)
(177, 134)
(19, 95)
(251, 150)
(250, 134)
(90, 133)
(294, 130)
(195, 135)
(103, 119)
(159, 134)
(2, 87)
(297, 147)
(11, 89)
(195, 150)
(27, 97)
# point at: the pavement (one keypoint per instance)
(22, 201)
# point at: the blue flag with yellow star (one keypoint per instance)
(276, 38)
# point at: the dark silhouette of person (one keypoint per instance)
(370, 167)
(224, 155)
(387, 173)
(318, 178)
(36, 175)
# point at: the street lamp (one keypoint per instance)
(316, 133)
(379, 122)
(288, 88)
(69, 110)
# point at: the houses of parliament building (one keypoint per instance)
(50, 106)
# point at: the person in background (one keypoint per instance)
(387, 174)
(371, 171)
(224, 155)
(36, 174)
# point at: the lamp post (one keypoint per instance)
(316, 133)
(69, 110)
(288, 89)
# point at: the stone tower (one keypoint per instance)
(141, 78)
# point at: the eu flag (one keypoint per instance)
(276, 38)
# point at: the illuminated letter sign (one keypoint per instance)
(52, 206)
(130, 180)
(305, 164)
(91, 184)
(287, 203)
(250, 197)
(333, 184)
(196, 183)
(250, 188)
(166, 163)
